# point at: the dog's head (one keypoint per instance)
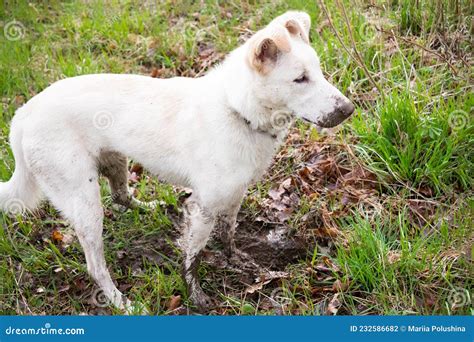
(289, 75)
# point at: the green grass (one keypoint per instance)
(406, 243)
(397, 142)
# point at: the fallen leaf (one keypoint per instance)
(206, 52)
(121, 254)
(334, 305)
(276, 194)
(321, 289)
(174, 303)
(256, 287)
(340, 286)
(80, 284)
(137, 168)
(284, 215)
(330, 264)
(124, 287)
(108, 213)
(265, 279)
(286, 184)
(57, 236)
(64, 289)
(393, 257)
(325, 232)
(323, 269)
(155, 73)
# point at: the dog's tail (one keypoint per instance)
(21, 192)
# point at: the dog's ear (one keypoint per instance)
(266, 46)
(297, 23)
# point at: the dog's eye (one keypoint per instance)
(303, 78)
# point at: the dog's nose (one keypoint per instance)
(347, 109)
(340, 113)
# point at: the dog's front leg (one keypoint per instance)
(198, 225)
(227, 224)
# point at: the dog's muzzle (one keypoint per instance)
(340, 113)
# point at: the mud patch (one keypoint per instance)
(271, 246)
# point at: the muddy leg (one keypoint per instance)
(227, 223)
(199, 223)
(113, 165)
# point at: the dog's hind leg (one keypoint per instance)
(70, 181)
(113, 165)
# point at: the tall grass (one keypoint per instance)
(416, 148)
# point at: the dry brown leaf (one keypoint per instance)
(340, 286)
(393, 257)
(276, 194)
(286, 184)
(330, 264)
(334, 305)
(321, 289)
(57, 236)
(284, 215)
(137, 168)
(174, 303)
(326, 232)
(256, 287)
(264, 279)
(155, 73)
(64, 289)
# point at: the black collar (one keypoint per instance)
(250, 126)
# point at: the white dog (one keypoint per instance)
(214, 134)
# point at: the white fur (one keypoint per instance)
(190, 132)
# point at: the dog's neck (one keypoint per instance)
(254, 126)
(255, 114)
(259, 118)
